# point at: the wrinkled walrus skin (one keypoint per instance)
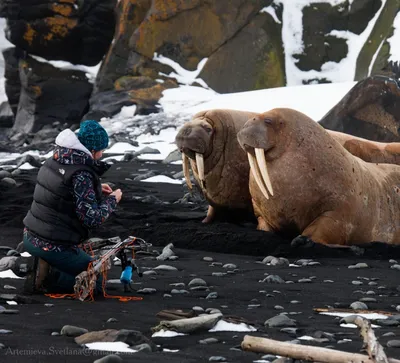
(209, 140)
(316, 189)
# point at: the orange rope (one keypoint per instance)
(91, 273)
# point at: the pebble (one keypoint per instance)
(9, 311)
(230, 266)
(177, 292)
(368, 299)
(370, 292)
(111, 358)
(356, 282)
(47, 305)
(274, 279)
(396, 266)
(178, 284)
(393, 344)
(372, 283)
(72, 331)
(212, 295)
(167, 295)
(295, 302)
(267, 259)
(142, 348)
(208, 259)
(2, 346)
(217, 358)
(9, 287)
(304, 280)
(199, 288)
(279, 261)
(208, 341)
(358, 305)
(197, 282)
(198, 309)
(166, 268)
(5, 331)
(216, 264)
(392, 261)
(55, 333)
(147, 291)
(278, 307)
(112, 320)
(218, 274)
(329, 281)
(389, 334)
(398, 308)
(359, 265)
(280, 321)
(213, 311)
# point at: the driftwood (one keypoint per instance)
(371, 344)
(304, 352)
(352, 311)
(174, 314)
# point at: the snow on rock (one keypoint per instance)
(110, 347)
(223, 325)
(9, 274)
(292, 31)
(394, 40)
(166, 334)
(162, 179)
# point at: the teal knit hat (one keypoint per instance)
(93, 136)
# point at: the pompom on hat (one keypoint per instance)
(93, 136)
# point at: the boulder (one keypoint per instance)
(252, 59)
(76, 31)
(371, 109)
(6, 115)
(50, 94)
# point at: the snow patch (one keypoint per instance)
(223, 325)
(162, 179)
(166, 334)
(9, 274)
(111, 347)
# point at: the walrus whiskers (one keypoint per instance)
(200, 168)
(186, 171)
(262, 164)
(257, 175)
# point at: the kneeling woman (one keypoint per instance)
(69, 200)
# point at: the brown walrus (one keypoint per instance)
(368, 150)
(304, 183)
(209, 142)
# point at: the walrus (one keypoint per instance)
(305, 185)
(209, 143)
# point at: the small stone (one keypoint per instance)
(372, 283)
(358, 305)
(356, 282)
(208, 259)
(48, 305)
(4, 174)
(398, 308)
(295, 302)
(9, 311)
(393, 344)
(329, 281)
(290, 331)
(72, 331)
(167, 295)
(217, 358)
(305, 280)
(370, 292)
(198, 309)
(112, 320)
(267, 259)
(147, 291)
(55, 333)
(313, 263)
(280, 321)
(389, 334)
(278, 307)
(166, 268)
(5, 331)
(178, 284)
(396, 266)
(229, 266)
(9, 287)
(178, 292)
(218, 274)
(269, 357)
(212, 295)
(208, 341)
(359, 265)
(279, 261)
(197, 282)
(367, 299)
(392, 261)
(8, 183)
(111, 358)
(274, 279)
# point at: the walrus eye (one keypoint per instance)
(208, 129)
(268, 121)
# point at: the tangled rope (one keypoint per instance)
(86, 281)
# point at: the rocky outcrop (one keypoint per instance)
(48, 95)
(371, 109)
(76, 31)
(186, 32)
(11, 74)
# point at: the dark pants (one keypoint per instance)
(65, 266)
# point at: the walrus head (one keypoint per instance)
(259, 138)
(194, 140)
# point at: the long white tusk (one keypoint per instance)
(257, 175)
(200, 168)
(186, 171)
(262, 164)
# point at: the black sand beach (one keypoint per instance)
(156, 213)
